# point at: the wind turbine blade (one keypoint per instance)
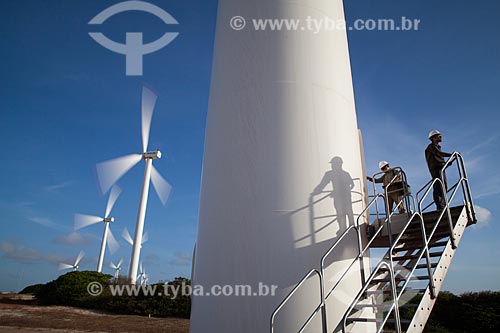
(113, 195)
(82, 221)
(120, 263)
(161, 186)
(148, 105)
(113, 265)
(127, 237)
(112, 243)
(80, 256)
(141, 268)
(109, 172)
(64, 266)
(145, 237)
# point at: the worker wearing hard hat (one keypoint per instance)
(435, 162)
(394, 191)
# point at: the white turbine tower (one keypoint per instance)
(117, 269)
(75, 265)
(82, 221)
(110, 171)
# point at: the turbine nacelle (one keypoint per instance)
(155, 154)
(108, 219)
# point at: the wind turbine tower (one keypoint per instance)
(82, 221)
(110, 171)
(282, 175)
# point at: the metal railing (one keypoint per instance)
(393, 305)
(407, 199)
(316, 310)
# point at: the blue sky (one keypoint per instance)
(66, 104)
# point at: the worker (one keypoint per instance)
(395, 191)
(435, 162)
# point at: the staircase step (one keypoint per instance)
(419, 245)
(364, 320)
(421, 266)
(367, 305)
(439, 235)
(415, 256)
(399, 279)
(403, 321)
(388, 292)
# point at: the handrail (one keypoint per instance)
(417, 201)
(294, 290)
(365, 287)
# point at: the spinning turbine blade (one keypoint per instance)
(127, 237)
(64, 266)
(82, 221)
(120, 263)
(80, 256)
(113, 265)
(161, 186)
(148, 104)
(145, 237)
(113, 195)
(112, 243)
(109, 172)
(141, 268)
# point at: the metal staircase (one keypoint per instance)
(398, 294)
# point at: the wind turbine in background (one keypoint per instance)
(142, 277)
(110, 171)
(75, 265)
(128, 238)
(117, 269)
(82, 221)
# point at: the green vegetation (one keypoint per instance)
(33, 289)
(468, 313)
(71, 290)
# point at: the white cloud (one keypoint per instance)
(18, 252)
(72, 239)
(47, 222)
(59, 186)
(483, 216)
(182, 259)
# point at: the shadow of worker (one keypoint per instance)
(342, 186)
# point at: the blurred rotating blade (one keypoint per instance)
(140, 266)
(64, 266)
(148, 105)
(113, 265)
(127, 237)
(112, 243)
(145, 237)
(113, 195)
(82, 221)
(161, 186)
(80, 256)
(109, 172)
(120, 263)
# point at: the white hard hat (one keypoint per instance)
(382, 164)
(433, 132)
